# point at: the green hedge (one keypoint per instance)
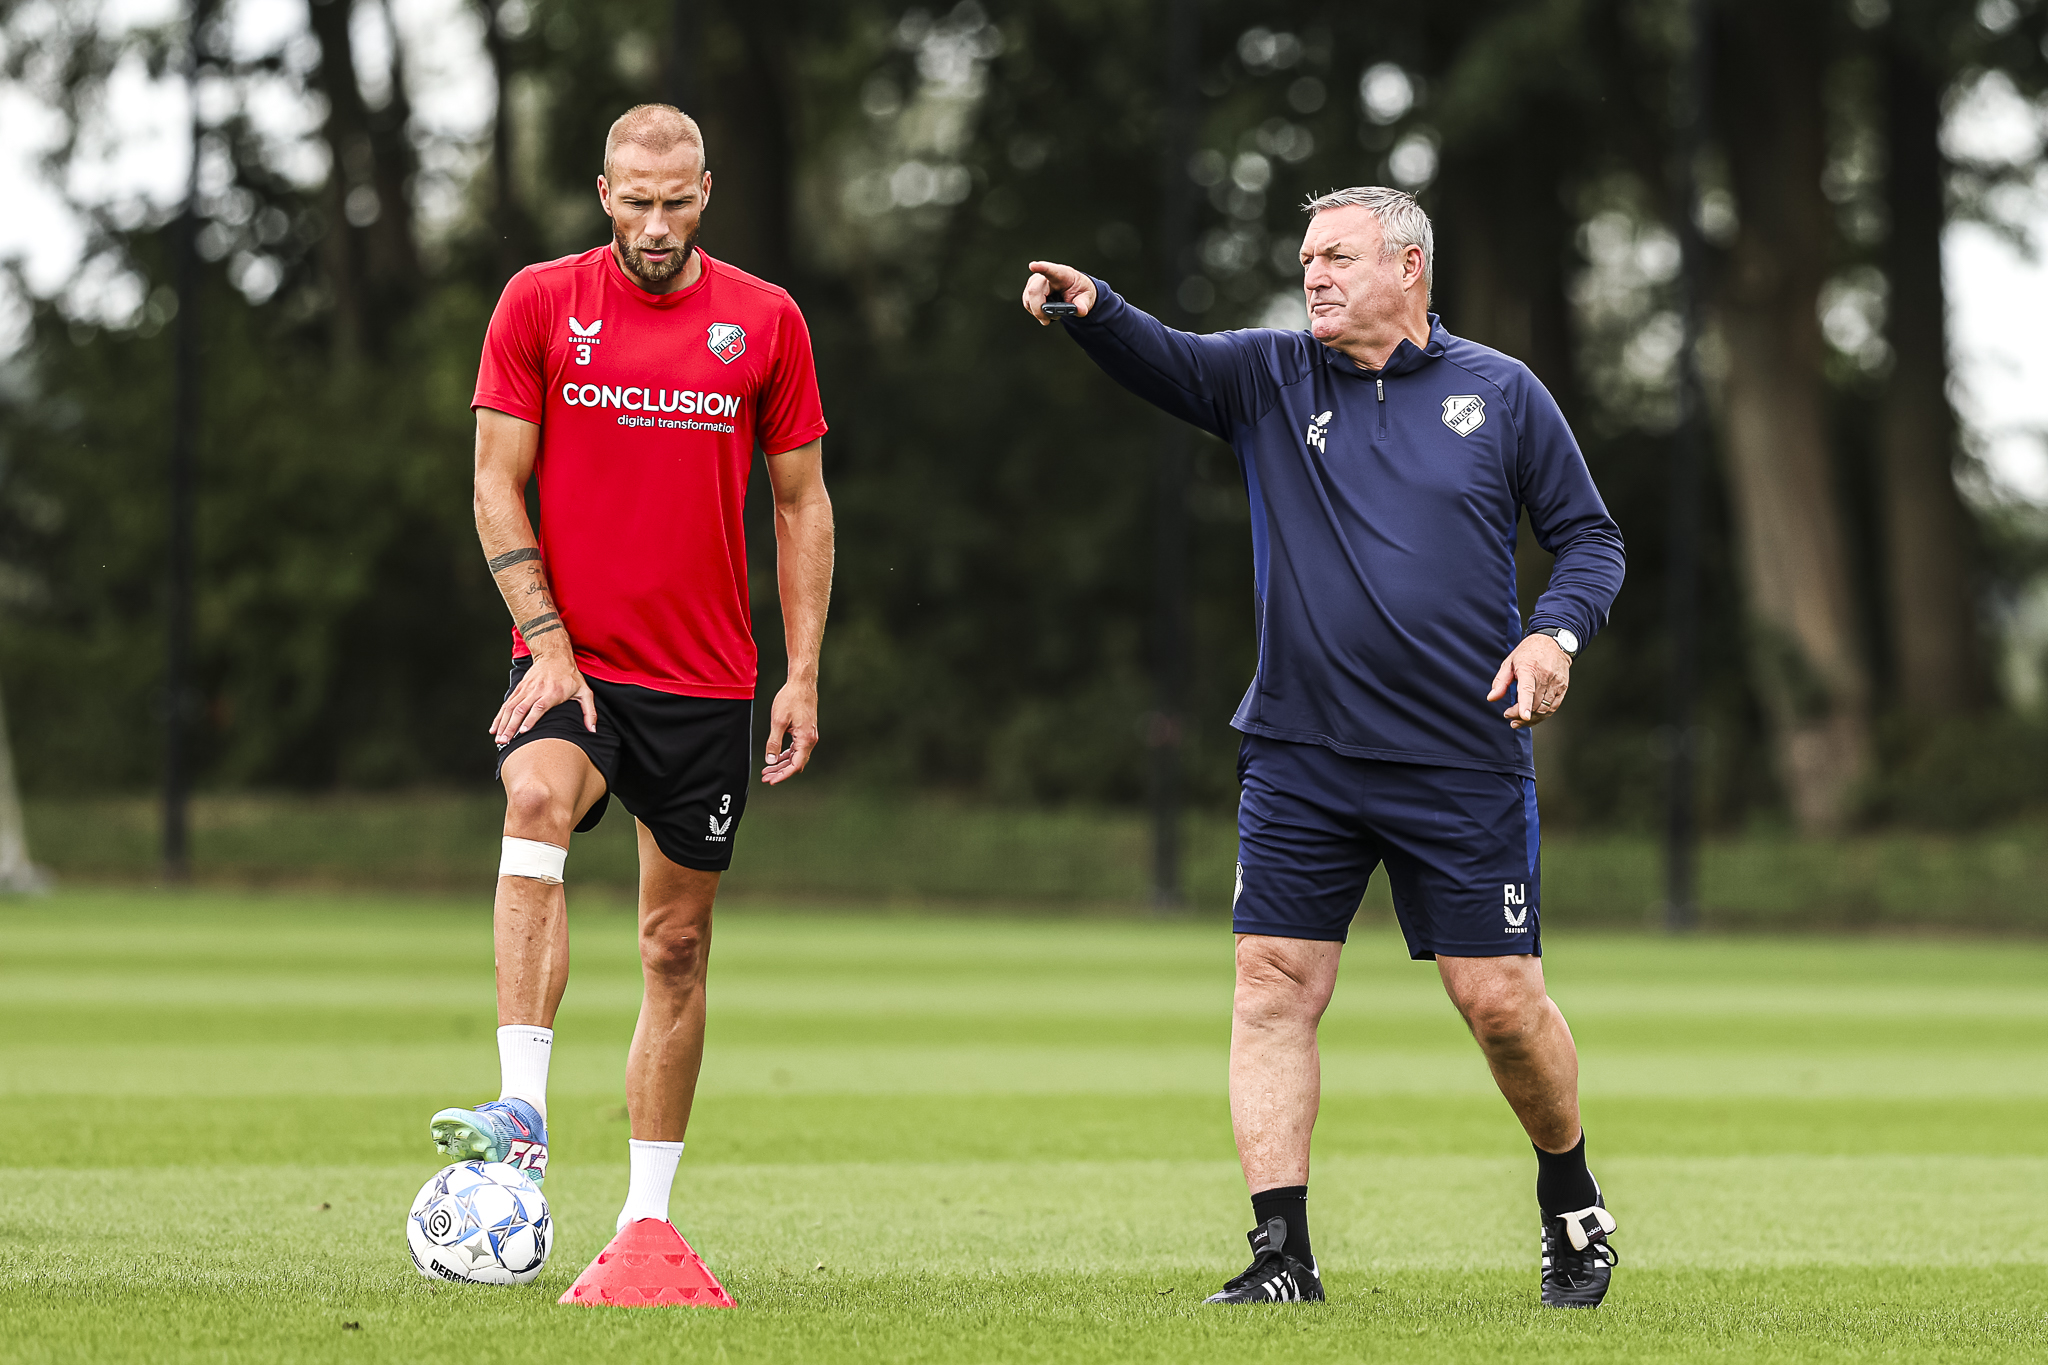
(822, 847)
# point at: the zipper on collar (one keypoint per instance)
(1380, 384)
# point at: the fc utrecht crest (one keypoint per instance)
(1463, 413)
(726, 341)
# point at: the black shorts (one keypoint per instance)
(679, 765)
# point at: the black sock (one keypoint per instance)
(1291, 1203)
(1563, 1184)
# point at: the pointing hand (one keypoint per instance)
(1050, 280)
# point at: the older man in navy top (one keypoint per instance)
(1388, 463)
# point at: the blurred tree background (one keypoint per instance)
(895, 166)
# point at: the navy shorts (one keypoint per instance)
(1460, 848)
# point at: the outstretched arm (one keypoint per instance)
(803, 573)
(1216, 380)
(506, 448)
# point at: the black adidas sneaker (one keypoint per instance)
(1273, 1276)
(1577, 1261)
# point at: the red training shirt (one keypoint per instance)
(649, 407)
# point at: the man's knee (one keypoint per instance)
(675, 952)
(1502, 1008)
(1278, 982)
(533, 803)
(1503, 1021)
(548, 784)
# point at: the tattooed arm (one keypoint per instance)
(505, 451)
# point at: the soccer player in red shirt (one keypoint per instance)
(635, 381)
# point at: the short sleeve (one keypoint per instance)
(788, 412)
(513, 370)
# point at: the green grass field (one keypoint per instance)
(945, 1140)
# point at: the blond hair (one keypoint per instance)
(660, 128)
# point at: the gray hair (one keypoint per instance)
(1402, 222)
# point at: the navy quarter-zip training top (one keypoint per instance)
(1384, 507)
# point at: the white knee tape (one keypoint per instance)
(532, 858)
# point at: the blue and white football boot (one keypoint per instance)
(511, 1131)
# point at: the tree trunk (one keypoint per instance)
(17, 874)
(1805, 652)
(348, 154)
(513, 231)
(681, 71)
(394, 253)
(748, 138)
(374, 267)
(1938, 655)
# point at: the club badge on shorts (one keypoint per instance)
(726, 341)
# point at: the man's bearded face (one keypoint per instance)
(633, 249)
(656, 201)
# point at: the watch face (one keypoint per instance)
(1568, 641)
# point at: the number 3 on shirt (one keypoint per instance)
(583, 353)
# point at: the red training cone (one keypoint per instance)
(648, 1264)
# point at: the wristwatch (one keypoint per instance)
(1566, 641)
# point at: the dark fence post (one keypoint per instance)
(1172, 465)
(1688, 459)
(177, 852)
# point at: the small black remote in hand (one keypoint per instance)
(1054, 308)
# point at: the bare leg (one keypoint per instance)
(1525, 1039)
(549, 785)
(1276, 1078)
(668, 1042)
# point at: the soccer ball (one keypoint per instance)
(480, 1222)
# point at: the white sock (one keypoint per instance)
(523, 1052)
(654, 1171)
